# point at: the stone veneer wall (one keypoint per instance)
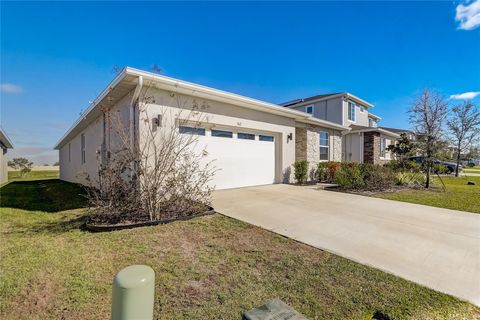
(307, 146)
(371, 147)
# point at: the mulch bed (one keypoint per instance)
(97, 226)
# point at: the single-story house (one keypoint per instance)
(5, 144)
(253, 142)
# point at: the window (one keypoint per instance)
(190, 130)
(383, 142)
(324, 145)
(309, 109)
(351, 111)
(265, 138)
(82, 146)
(69, 153)
(246, 136)
(362, 109)
(372, 123)
(221, 133)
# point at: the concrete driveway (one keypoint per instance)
(438, 248)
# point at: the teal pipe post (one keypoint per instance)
(133, 293)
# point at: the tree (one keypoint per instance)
(427, 116)
(162, 173)
(402, 149)
(464, 127)
(21, 164)
(56, 163)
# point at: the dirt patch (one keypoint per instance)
(37, 298)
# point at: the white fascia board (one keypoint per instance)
(92, 106)
(358, 100)
(374, 116)
(214, 94)
(189, 88)
(5, 139)
(385, 132)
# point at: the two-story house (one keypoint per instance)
(366, 142)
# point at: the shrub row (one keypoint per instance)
(354, 176)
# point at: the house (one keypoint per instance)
(5, 144)
(365, 142)
(252, 142)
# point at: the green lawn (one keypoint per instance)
(458, 195)
(472, 170)
(32, 175)
(211, 267)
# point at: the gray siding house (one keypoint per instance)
(366, 142)
(5, 144)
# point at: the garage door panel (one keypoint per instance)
(239, 162)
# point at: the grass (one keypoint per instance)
(33, 175)
(211, 267)
(458, 195)
(472, 170)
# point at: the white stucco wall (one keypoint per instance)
(225, 116)
(71, 167)
(3, 165)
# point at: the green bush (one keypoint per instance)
(377, 177)
(440, 169)
(403, 166)
(300, 171)
(326, 171)
(349, 177)
(410, 179)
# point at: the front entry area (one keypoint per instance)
(241, 157)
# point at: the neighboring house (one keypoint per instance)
(365, 142)
(5, 144)
(253, 142)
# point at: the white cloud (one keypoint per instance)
(10, 88)
(468, 15)
(465, 96)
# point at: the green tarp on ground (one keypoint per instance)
(274, 309)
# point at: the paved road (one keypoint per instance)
(438, 248)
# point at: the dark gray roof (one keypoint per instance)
(319, 96)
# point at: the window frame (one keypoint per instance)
(324, 146)
(351, 114)
(264, 137)
(230, 136)
(311, 106)
(383, 147)
(83, 144)
(193, 130)
(250, 135)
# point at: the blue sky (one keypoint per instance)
(56, 57)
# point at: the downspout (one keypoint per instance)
(133, 103)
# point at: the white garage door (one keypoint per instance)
(241, 158)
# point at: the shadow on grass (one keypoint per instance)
(50, 227)
(51, 195)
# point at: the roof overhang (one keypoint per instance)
(344, 95)
(374, 116)
(127, 80)
(380, 130)
(5, 140)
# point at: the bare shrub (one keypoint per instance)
(159, 174)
